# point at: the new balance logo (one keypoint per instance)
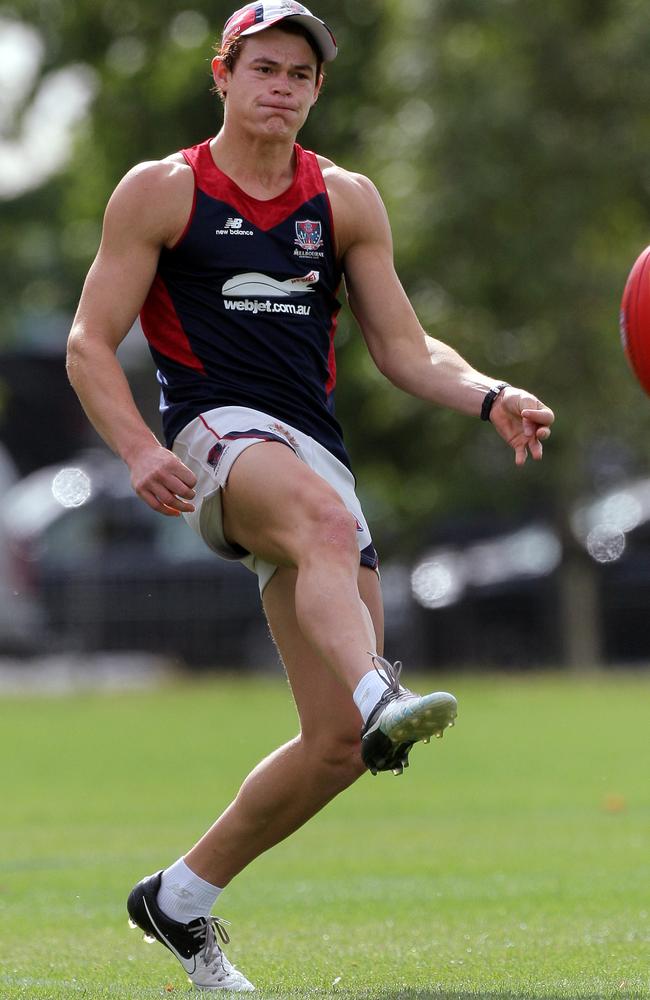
(233, 227)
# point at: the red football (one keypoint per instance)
(635, 319)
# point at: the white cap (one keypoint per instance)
(256, 17)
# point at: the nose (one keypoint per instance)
(282, 84)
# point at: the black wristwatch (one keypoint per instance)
(490, 396)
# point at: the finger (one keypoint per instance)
(531, 429)
(152, 501)
(167, 497)
(181, 489)
(178, 504)
(187, 481)
(540, 415)
(535, 448)
(171, 506)
(169, 511)
(185, 475)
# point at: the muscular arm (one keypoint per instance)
(145, 212)
(403, 352)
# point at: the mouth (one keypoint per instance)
(278, 107)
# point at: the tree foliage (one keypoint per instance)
(512, 160)
(509, 142)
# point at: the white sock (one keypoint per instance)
(368, 692)
(184, 896)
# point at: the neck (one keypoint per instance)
(261, 166)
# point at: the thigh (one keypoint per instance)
(324, 705)
(272, 503)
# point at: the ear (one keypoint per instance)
(317, 88)
(220, 74)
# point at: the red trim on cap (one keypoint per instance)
(258, 17)
(241, 20)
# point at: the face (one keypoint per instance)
(273, 85)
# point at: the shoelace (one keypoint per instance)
(390, 674)
(213, 928)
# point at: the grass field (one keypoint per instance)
(512, 860)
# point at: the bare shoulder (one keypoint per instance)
(357, 207)
(155, 198)
(351, 188)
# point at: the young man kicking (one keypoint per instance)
(232, 252)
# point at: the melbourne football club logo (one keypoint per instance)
(309, 235)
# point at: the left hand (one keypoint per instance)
(523, 421)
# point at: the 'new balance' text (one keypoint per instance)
(233, 227)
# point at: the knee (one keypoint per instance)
(334, 529)
(339, 757)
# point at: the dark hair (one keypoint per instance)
(230, 52)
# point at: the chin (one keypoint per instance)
(276, 126)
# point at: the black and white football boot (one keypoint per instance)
(195, 945)
(401, 718)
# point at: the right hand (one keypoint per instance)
(163, 481)
(523, 421)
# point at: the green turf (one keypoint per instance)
(511, 860)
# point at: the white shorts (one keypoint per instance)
(212, 442)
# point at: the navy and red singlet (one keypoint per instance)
(242, 311)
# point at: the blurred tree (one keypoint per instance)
(513, 160)
(149, 69)
(511, 154)
(509, 141)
